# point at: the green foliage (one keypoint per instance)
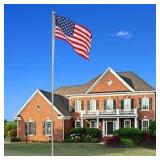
(94, 140)
(14, 139)
(135, 134)
(152, 128)
(84, 134)
(87, 139)
(9, 128)
(127, 142)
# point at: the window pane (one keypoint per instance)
(93, 124)
(48, 127)
(127, 104)
(78, 124)
(145, 103)
(93, 105)
(109, 104)
(31, 128)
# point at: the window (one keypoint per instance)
(127, 104)
(127, 123)
(109, 104)
(77, 106)
(48, 127)
(145, 125)
(145, 103)
(31, 128)
(93, 124)
(93, 105)
(77, 124)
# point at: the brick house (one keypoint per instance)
(108, 102)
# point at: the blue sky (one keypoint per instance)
(123, 39)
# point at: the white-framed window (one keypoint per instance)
(145, 124)
(48, 127)
(145, 103)
(93, 105)
(77, 106)
(127, 123)
(127, 104)
(31, 127)
(77, 124)
(109, 104)
(93, 124)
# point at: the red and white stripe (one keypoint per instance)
(81, 40)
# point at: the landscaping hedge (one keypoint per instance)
(127, 142)
(135, 134)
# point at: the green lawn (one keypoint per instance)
(73, 149)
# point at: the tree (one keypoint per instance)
(152, 128)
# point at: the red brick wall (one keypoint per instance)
(102, 85)
(31, 112)
(149, 114)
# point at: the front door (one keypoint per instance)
(109, 127)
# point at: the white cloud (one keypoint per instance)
(122, 34)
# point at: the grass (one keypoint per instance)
(73, 149)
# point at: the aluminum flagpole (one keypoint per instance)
(52, 79)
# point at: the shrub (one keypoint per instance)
(93, 132)
(113, 141)
(152, 128)
(77, 140)
(84, 134)
(127, 142)
(14, 139)
(12, 133)
(94, 140)
(87, 139)
(135, 134)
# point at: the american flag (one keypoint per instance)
(78, 36)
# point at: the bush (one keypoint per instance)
(12, 133)
(94, 140)
(152, 128)
(135, 134)
(84, 134)
(113, 141)
(77, 140)
(87, 139)
(127, 142)
(14, 139)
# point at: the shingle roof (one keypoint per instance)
(60, 102)
(130, 78)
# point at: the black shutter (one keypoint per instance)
(122, 103)
(97, 104)
(132, 103)
(114, 104)
(150, 103)
(82, 105)
(26, 128)
(88, 105)
(43, 127)
(105, 103)
(140, 103)
(140, 124)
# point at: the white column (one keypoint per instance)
(117, 126)
(81, 122)
(135, 122)
(97, 122)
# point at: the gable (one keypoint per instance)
(37, 99)
(109, 82)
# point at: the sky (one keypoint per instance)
(124, 38)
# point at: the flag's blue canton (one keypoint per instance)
(65, 25)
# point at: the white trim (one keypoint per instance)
(115, 74)
(45, 127)
(129, 121)
(106, 121)
(76, 122)
(37, 91)
(92, 121)
(110, 94)
(148, 104)
(64, 117)
(143, 121)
